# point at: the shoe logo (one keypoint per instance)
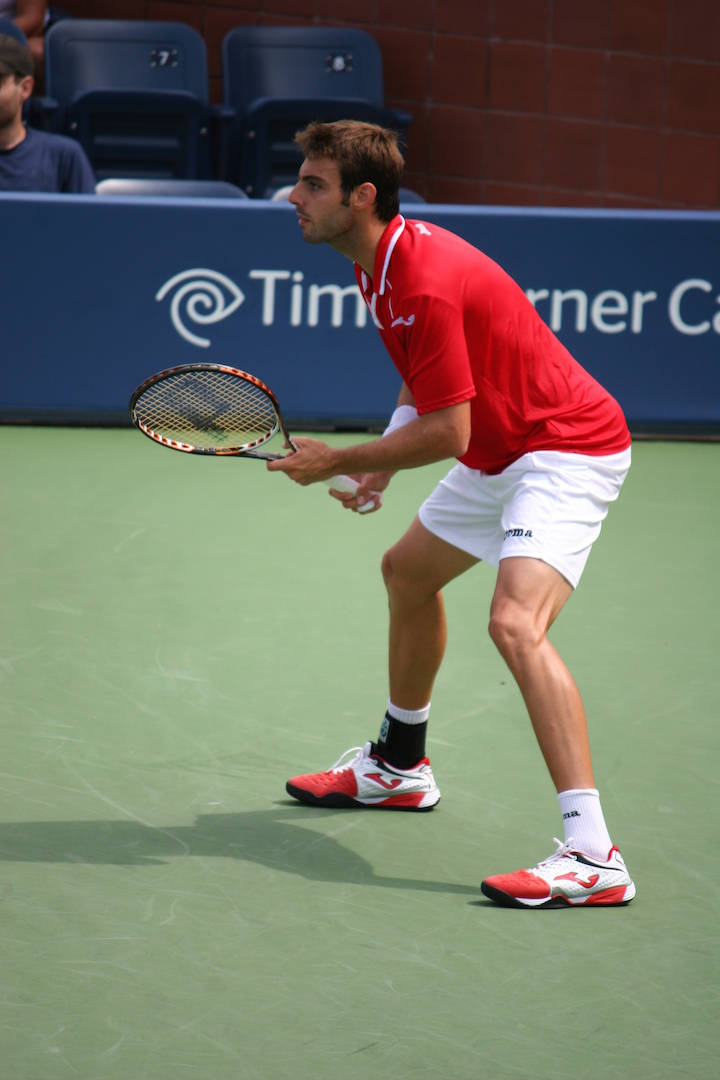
(389, 785)
(591, 881)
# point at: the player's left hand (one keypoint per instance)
(370, 491)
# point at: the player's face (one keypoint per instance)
(13, 93)
(323, 212)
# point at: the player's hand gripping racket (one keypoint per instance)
(214, 409)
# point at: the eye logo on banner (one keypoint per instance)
(202, 297)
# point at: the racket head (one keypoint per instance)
(206, 408)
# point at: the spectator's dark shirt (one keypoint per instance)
(46, 162)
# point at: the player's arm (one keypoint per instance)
(405, 397)
(405, 411)
(371, 485)
(434, 436)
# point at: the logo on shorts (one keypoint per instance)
(517, 532)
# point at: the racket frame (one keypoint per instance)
(245, 449)
(339, 483)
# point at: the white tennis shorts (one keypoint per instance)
(547, 505)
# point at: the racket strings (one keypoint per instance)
(208, 409)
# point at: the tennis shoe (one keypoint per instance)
(566, 878)
(365, 779)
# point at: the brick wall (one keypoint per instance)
(528, 102)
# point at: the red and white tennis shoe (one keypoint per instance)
(366, 780)
(567, 877)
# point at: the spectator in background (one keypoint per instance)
(33, 18)
(33, 160)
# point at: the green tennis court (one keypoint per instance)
(180, 635)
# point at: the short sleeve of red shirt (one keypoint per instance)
(431, 353)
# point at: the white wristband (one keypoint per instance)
(402, 416)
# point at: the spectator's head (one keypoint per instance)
(16, 79)
(15, 58)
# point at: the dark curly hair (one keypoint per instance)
(363, 152)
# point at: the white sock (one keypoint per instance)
(584, 822)
(409, 716)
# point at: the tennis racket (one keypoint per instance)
(216, 410)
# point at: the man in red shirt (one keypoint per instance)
(542, 450)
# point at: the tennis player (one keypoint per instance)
(542, 450)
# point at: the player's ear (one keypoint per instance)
(364, 196)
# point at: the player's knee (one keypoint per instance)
(400, 579)
(391, 572)
(512, 629)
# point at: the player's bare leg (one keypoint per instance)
(529, 596)
(394, 773)
(586, 868)
(415, 571)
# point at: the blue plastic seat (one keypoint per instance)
(277, 79)
(135, 94)
(201, 189)
(408, 195)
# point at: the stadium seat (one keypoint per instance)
(135, 94)
(283, 194)
(202, 189)
(408, 195)
(276, 79)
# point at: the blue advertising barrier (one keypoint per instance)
(98, 293)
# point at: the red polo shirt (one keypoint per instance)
(458, 328)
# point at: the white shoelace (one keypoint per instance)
(563, 847)
(356, 751)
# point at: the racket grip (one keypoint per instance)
(349, 486)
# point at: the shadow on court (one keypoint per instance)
(262, 836)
